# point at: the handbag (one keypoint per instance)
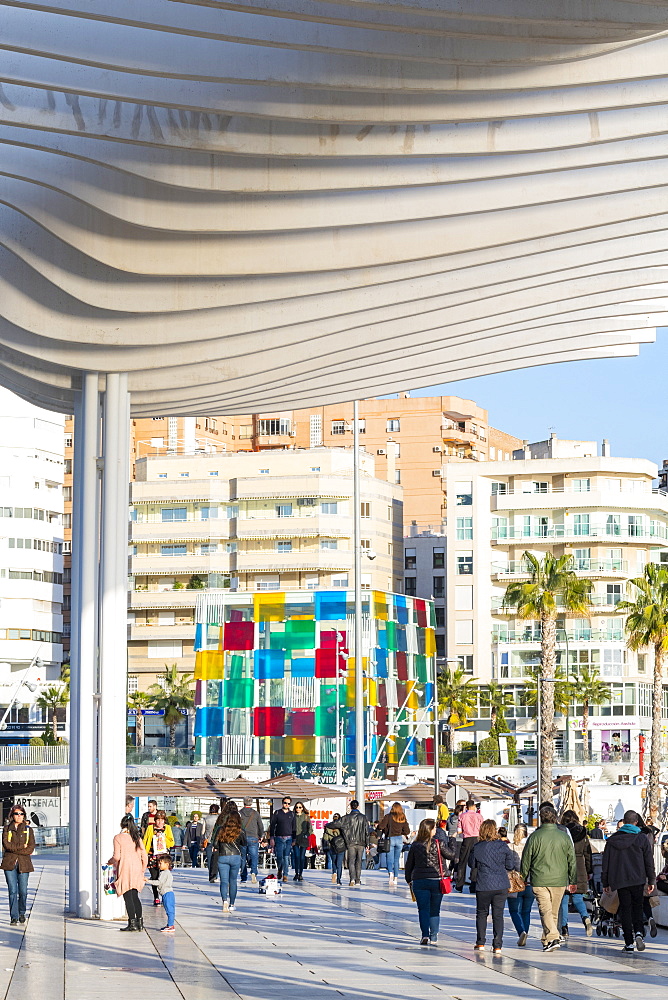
(516, 882)
(444, 882)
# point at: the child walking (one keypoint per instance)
(165, 885)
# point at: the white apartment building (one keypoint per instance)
(601, 510)
(31, 566)
(266, 521)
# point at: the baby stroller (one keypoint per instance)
(604, 922)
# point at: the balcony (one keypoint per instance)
(190, 530)
(554, 532)
(145, 632)
(615, 568)
(162, 599)
(301, 523)
(605, 497)
(601, 602)
(532, 636)
(187, 565)
(159, 491)
(328, 561)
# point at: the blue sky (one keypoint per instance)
(622, 399)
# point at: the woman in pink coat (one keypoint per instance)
(130, 860)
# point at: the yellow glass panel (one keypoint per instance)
(429, 642)
(413, 697)
(392, 755)
(297, 748)
(371, 691)
(380, 605)
(269, 607)
(209, 665)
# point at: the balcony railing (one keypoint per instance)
(28, 756)
(603, 567)
(576, 635)
(603, 601)
(552, 531)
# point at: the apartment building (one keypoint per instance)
(262, 521)
(31, 567)
(605, 513)
(424, 575)
(411, 439)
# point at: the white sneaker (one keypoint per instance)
(254, 879)
(226, 907)
(232, 909)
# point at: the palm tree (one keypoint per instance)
(588, 689)
(500, 700)
(457, 699)
(50, 700)
(647, 625)
(139, 700)
(173, 693)
(552, 588)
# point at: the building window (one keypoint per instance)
(174, 513)
(306, 502)
(439, 612)
(329, 543)
(438, 586)
(329, 508)
(581, 485)
(213, 472)
(464, 632)
(410, 558)
(264, 472)
(581, 524)
(184, 475)
(283, 510)
(613, 593)
(338, 427)
(315, 468)
(438, 557)
(499, 488)
(285, 546)
(68, 466)
(642, 663)
(635, 525)
(463, 494)
(466, 662)
(173, 550)
(339, 581)
(245, 432)
(67, 493)
(397, 477)
(233, 511)
(208, 548)
(315, 432)
(464, 528)
(464, 563)
(365, 509)
(440, 645)
(361, 424)
(613, 525)
(162, 475)
(410, 586)
(133, 683)
(230, 547)
(67, 521)
(167, 648)
(208, 513)
(393, 426)
(463, 598)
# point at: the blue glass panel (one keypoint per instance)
(330, 606)
(381, 663)
(268, 663)
(303, 667)
(199, 629)
(209, 722)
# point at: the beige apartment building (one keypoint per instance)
(605, 513)
(262, 521)
(411, 439)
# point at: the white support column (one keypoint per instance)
(359, 675)
(83, 666)
(113, 625)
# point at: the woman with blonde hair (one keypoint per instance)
(520, 903)
(397, 830)
(493, 859)
(427, 858)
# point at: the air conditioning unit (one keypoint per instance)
(437, 448)
(437, 473)
(381, 451)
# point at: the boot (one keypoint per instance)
(140, 924)
(132, 925)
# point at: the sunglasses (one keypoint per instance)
(286, 802)
(18, 812)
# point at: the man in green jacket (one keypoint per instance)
(548, 863)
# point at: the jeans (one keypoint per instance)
(483, 900)
(337, 865)
(396, 846)
(169, 903)
(228, 870)
(208, 851)
(282, 848)
(300, 858)
(578, 903)
(630, 911)
(17, 886)
(250, 851)
(519, 908)
(355, 854)
(428, 896)
(194, 854)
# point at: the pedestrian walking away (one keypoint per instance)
(396, 828)
(230, 845)
(548, 862)
(628, 867)
(158, 840)
(282, 833)
(303, 831)
(470, 821)
(520, 903)
(336, 845)
(493, 859)
(423, 874)
(207, 839)
(165, 886)
(253, 827)
(130, 860)
(193, 835)
(453, 832)
(584, 868)
(18, 843)
(354, 827)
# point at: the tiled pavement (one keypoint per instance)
(315, 942)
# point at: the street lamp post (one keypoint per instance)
(359, 678)
(437, 733)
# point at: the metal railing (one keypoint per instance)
(518, 567)
(28, 756)
(577, 635)
(499, 533)
(607, 601)
(51, 836)
(168, 756)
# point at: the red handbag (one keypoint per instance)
(444, 882)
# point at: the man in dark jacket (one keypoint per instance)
(627, 867)
(282, 831)
(355, 831)
(253, 827)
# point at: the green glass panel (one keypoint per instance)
(421, 668)
(300, 634)
(278, 640)
(391, 629)
(328, 695)
(325, 722)
(239, 693)
(236, 668)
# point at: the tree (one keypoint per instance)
(647, 625)
(50, 700)
(175, 692)
(196, 583)
(457, 699)
(139, 700)
(553, 587)
(588, 689)
(499, 699)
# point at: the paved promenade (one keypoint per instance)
(314, 942)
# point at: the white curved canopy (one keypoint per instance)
(265, 204)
